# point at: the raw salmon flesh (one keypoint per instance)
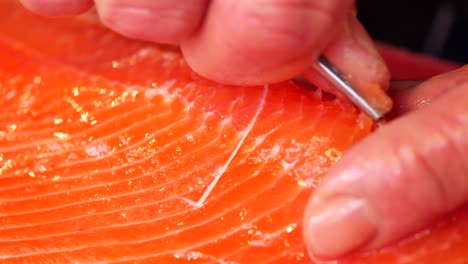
(114, 151)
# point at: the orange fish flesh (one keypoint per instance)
(114, 151)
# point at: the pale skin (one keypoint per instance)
(421, 156)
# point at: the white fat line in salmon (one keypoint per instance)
(220, 171)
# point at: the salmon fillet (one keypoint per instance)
(114, 151)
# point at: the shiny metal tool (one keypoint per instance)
(348, 90)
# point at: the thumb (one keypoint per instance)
(397, 180)
(258, 42)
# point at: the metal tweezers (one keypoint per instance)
(348, 90)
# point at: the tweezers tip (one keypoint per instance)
(348, 90)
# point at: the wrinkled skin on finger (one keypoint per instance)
(427, 148)
(245, 42)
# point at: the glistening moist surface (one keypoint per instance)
(105, 141)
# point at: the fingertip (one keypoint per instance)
(355, 54)
(338, 226)
(58, 8)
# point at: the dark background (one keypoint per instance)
(435, 27)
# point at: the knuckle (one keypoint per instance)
(437, 162)
(432, 185)
(454, 151)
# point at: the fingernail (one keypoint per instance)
(338, 227)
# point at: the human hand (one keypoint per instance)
(243, 42)
(257, 42)
(403, 177)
